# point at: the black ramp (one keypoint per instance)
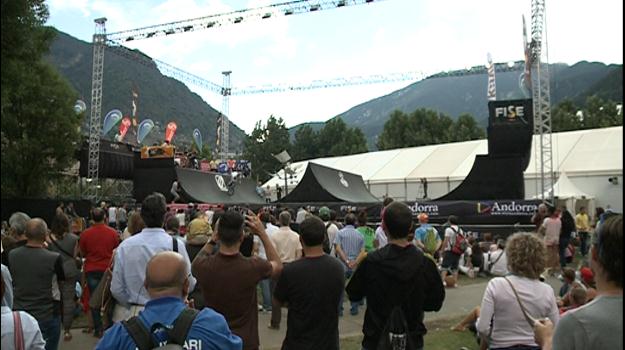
(323, 184)
(153, 175)
(205, 187)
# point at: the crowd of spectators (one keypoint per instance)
(192, 277)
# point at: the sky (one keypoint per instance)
(382, 37)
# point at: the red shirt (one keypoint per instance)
(97, 244)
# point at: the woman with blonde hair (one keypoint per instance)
(135, 224)
(511, 304)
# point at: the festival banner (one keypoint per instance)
(144, 129)
(110, 120)
(170, 131)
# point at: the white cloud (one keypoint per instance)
(59, 6)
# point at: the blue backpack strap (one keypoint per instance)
(139, 334)
(182, 325)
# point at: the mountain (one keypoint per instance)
(454, 94)
(161, 98)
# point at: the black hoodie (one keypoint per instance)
(384, 277)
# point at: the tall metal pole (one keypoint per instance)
(541, 97)
(99, 39)
(224, 141)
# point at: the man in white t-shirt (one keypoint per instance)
(451, 259)
(495, 261)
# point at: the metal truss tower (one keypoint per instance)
(224, 135)
(541, 98)
(99, 40)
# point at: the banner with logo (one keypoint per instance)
(510, 112)
(170, 131)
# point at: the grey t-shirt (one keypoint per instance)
(32, 270)
(68, 245)
(597, 325)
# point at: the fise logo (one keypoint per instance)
(511, 113)
(342, 180)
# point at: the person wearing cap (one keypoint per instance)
(420, 232)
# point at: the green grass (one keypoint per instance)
(439, 337)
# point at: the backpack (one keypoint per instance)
(177, 335)
(460, 243)
(430, 240)
(396, 335)
(326, 240)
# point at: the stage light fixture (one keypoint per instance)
(314, 7)
(187, 28)
(266, 15)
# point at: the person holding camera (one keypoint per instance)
(228, 279)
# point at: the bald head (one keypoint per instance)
(167, 275)
(36, 230)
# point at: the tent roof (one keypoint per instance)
(564, 188)
(574, 152)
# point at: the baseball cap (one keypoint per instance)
(586, 274)
(324, 213)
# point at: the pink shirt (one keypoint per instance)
(552, 227)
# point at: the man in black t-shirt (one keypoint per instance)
(311, 289)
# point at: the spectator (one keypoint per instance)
(175, 191)
(33, 267)
(487, 241)
(568, 274)
(496, 261)
(334, 219)
(473, 259)
(278, 192)
(368, 234)
(122, 217)
(17, 235)
(331, 230)
(265, 285)
(199, 226)
(576, 297)
(380, 235)
(167, 282)
(550, 231)
(301, 215)
(423, 231)
(31, 336)
(567, 229)
(350, 249)
(582, 223)
(172, 227)
(289, 249)
(70, 211)
(588, 280)
(510, 303)
(133, 255)
(596, 325)
(135, 224)
(112, 216)
(229, 280)
(96, 246)
(396, 275)
(7, 296)
(66, 244)
(539, 216)
(451, 258)
(311, 288)
(267, 193)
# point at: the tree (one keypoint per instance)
(564, 117)
(265, 141)
(206, 153)
(39, 128)
(395, 133)
(600, 113)
(465, 128)
(305, 144)
(336, 139)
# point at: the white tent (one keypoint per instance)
(588, 157)
(569, 195)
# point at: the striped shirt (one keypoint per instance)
(351, 241)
